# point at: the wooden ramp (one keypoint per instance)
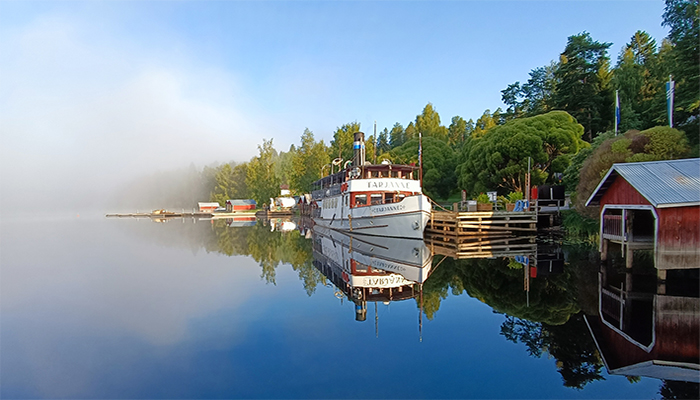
(490, 223)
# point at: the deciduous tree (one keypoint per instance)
(499, 158)
(261, 179)
(307, 162)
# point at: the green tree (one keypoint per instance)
(633, 78)
(261, 179)
(411, 132)
(581, 83)
(343, 138)
(510, 97)
(283, 164)
(383, 142)
(230, 183)
(439, 163)
(682, 18)
(397, 136)
(307, 162)
(538, 91)
(484, 123)
(428, 123)
(499, 158)
(457, 132)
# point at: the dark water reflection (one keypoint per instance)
(273, 309)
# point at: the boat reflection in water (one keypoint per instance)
(647, 326)
(371, 269)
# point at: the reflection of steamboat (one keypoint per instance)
(380, 200)
(371, 268)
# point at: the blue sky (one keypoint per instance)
(112, 89)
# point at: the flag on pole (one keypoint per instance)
(617, 110)
(670, 88)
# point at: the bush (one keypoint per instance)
(654, 144)
(483, 198)
(515, 196)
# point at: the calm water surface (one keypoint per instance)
(123, 308)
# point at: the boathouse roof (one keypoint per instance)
(668, 183)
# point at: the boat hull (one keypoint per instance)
(405, 219)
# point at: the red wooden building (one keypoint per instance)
(652, 205)
(240, 205)
(207, 206)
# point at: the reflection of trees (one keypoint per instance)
(578, 361)
(551, 323)
(679, 390)
(552, 300)
(269, 249)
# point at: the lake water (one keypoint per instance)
(123, 308)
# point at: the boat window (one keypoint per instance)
(376, 198)
(394, 174)
(388, 197)
(385, 174)
(375, 174)
(361, 200)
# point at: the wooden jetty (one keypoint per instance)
(274, 213)
(460, 234)
(488, 223)
(162, 215)
(462, 247)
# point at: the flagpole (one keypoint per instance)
(376, 142)
(670, 89)
(617, 110)
(420, 158)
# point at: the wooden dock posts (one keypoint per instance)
(481, 234)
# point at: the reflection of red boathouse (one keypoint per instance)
(643, 331)
(652, 205)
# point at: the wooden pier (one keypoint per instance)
(162, 215)
(462, 247)
(481, 234)
(490, 223)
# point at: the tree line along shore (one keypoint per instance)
(562, 118)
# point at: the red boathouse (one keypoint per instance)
(652, 205)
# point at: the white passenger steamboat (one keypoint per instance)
(372, 199)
